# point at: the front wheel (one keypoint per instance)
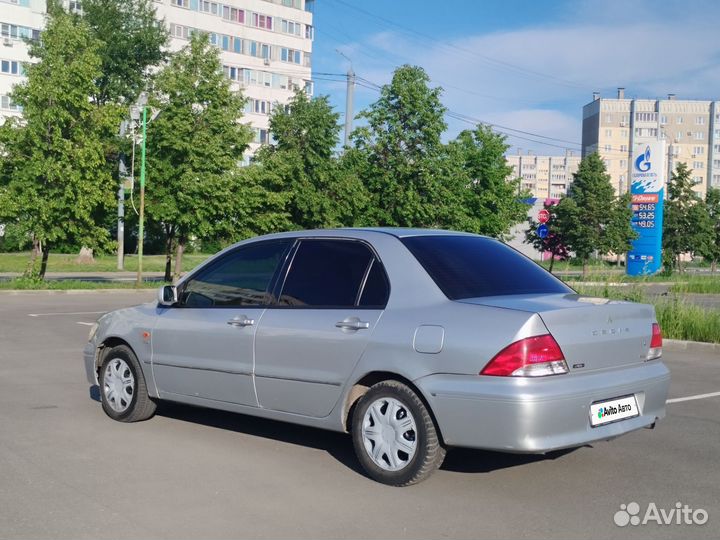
(122, 387)
(394, 436)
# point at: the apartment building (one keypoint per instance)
(19, 19)
(265, 46)
(691, 129)
(546, 177)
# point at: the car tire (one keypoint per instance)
(394, 435)
(123, 391)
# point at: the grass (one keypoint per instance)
(678, 319)
(22, 284)
(59, 262)
(706, 285)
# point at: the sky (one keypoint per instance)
(524, 65)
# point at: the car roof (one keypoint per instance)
(398, 232)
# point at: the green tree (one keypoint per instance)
(194, 146)
(400, 158)
(301, 162)
(490, 197)
(55, 180)
(131, 41)
(687, 226)
(711, 250)
(591, 216)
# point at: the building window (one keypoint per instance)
(646, 117)
(7, 103)
(262, 21)
(233, 14)
(290, 55)
(679, 120)
(608, 118)
(623, 163)
(11, 67)
(608, 148)
(663, 120)
(180, 3)
(290, 27)
(698, 165)
(697, 179)
(699, 135)
(646, 132)
(698, 150)
(699, 120)
(623, 148)
(608, 132)
(309, 32)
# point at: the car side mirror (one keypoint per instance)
(167, 295)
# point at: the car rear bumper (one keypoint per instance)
(539, 415)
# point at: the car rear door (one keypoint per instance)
(204, 346)
(307, 345)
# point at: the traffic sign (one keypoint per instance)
(543, 216)
(542, 231)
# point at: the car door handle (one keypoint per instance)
(352, 324)
(241, 321)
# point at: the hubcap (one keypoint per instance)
(389, 434)
(118, 385)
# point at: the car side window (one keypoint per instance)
(240, 278)
(326, 273)
(376, 289)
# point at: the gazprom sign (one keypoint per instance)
(647, 190)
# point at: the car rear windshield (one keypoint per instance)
(472, 266)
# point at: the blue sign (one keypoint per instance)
(542, 231)
(647, 191)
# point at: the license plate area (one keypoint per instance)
(613, 410)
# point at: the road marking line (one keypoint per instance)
(66, 313)
(691, 398)
(85, 323)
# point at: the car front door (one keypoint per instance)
(307, 345)
(204, 346)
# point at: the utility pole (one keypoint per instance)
(122, 173)
(350, 94)
(349, 115)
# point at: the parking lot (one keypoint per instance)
(66, 470)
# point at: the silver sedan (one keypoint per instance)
(413, 341)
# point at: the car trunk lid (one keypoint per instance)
(593, 333)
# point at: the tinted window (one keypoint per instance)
(375, 292)
(240, 278)
(326, 273)
(472, 266)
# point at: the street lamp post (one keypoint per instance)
(141, 235)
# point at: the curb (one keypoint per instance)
(16, 292)
(681, 345)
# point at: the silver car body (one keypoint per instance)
(296, 365)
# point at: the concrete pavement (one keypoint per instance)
(66, 470)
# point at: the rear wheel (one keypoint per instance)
(123, 390)
(394, 436)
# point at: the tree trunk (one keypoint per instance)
(43, 264)
(585, 269)
(36, 248)
(552, 261)
(178, 258)
(168, 255)
(713, 267)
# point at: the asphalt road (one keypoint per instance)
(67, 471)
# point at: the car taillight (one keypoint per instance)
(655, 350)
(535, 356)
